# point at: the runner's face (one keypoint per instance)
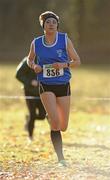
(50, 25)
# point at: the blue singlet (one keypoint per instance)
(49, 54)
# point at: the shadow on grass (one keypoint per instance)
(87, 146)
(97, 172)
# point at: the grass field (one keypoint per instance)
(86, 142)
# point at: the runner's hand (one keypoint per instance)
(34, 83)
(37, 68)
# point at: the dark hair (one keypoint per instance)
(46, 15)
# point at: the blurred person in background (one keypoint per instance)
(55, 55)
(31, 91)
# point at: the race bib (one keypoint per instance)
(49, 71)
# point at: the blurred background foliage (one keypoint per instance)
(86, 22)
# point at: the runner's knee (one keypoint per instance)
(64, 127)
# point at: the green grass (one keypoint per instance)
(86, 142)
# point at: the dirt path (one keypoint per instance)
(94, 165)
